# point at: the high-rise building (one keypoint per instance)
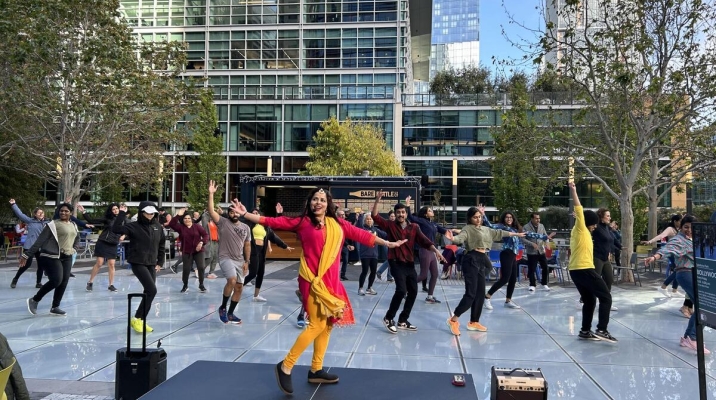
(455, 40)
(580, 20)
(279, 68)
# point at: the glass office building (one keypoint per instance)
(280, 67)
(455, 40)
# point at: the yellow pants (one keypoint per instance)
(318, 333)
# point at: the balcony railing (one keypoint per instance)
(490, 99)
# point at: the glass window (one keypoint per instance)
(297, 112)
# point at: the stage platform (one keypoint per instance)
(231, 380)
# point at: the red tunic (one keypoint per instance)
(313, 241)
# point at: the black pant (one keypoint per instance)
(28, 264)
(188, 261)
(591, 287)
(474, 266)
(508, 266)
(618, 257)
(605, 270)
(532, 260)
(147, 276)
(406, 281)
(366, 264)
(58, 272)
(257, 266)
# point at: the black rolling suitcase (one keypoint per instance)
(138, 372)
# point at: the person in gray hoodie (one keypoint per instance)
(35, 225)
(55, 245)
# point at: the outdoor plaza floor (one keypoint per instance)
(75, 355)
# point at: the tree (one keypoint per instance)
(22, 187)
(645, 70)
(523, 168)
(209, 164)
(466, 80)
(348, 149)
(82, 97)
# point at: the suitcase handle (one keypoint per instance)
(130, 296)
(520, 369)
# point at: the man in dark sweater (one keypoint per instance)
(401, 263)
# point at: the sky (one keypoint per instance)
(494, 18)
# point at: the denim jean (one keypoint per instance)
(686, 281)
(383, 267)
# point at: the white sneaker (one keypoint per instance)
(511, 304)
(259, 299)
(664, 291)
(249, 284)
(545, 287)
(614, 308)
(488, 304)
(676, 293)
(444, 275)
(357, 263)
(361, 292)
(532, 288)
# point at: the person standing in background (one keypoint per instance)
(535, 249)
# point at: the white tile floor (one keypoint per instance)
(647, 363)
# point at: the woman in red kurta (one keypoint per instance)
(325, 299)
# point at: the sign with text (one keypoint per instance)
(706, 281)
(705, 276)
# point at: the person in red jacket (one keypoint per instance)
(193, 237)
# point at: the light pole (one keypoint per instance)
(454, 192)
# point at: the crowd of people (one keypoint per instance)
(238, 240)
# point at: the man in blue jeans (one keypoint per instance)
(347, 247)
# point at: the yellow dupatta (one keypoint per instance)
(329, 305)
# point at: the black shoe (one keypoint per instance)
(184, 289)
(13, 284)
(72, 275)
(426, 290)
(202, 289)
(284, 380)
(88, 287)
(57, 311)
(588, 335)
(390, 325)
(343, 278)
(32, 306)
(605, 335)
(321, 376)
(407, 326)
(111, 288)
(173, 268)
(38, 285)
(391, 280)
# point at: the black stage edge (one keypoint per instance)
(233, 380)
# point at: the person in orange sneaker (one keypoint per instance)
(475, 264)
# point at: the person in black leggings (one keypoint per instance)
(55, 247)
(145, 252)
(368, 255)
(261, 240)
(508, 262)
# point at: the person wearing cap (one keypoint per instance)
(590, 285)
(145, 252)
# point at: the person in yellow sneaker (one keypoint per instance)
(590, 285)
(145, 252)
(475, 264)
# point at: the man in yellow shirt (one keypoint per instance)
(590, 285)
